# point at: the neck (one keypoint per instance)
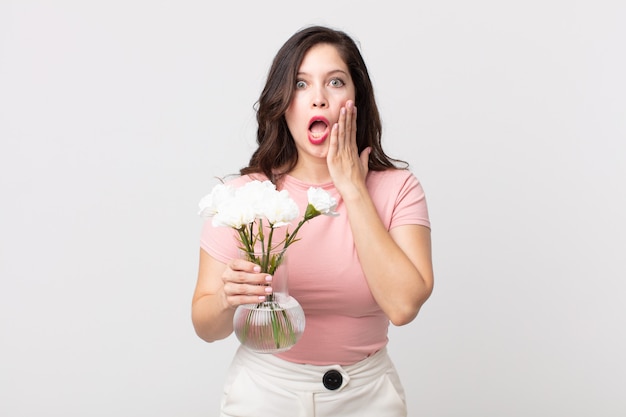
(312, 173)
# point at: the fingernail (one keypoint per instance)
(261, 298)
(343, 110)
(257, 269)
(268, 278)
(268, 290)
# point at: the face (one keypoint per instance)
(323, 87)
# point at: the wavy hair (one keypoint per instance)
(276, 154)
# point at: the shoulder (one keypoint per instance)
(399, 197)
(398, 185)
(392, 178)
(239, 180)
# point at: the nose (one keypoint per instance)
(320, 103)
(319, 100)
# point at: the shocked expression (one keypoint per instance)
(323, 86)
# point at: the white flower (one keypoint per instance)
(209, 205)
(254, 194)
(322, 201)
(279, 209)
(234, 213)
(248, 207)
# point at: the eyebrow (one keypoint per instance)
(329, 73)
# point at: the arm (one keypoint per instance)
(219, 290)
(397, 263)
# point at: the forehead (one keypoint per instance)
(323, 55)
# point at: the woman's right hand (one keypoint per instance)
(244, 283)
(221, 287)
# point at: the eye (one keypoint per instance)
(300, 84)
(337, 82)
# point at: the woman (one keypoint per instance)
(356, 272)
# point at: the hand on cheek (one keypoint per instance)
(346, 166)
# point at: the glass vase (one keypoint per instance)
(277, 323)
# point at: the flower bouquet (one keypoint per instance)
(255, 210)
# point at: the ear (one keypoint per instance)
(365, 156)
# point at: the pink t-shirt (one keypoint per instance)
(343, 322)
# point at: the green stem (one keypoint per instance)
(245, 240)
(269, 251)
(292, 236)
(262, 239)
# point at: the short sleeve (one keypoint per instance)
(410, 206)
(221, 242)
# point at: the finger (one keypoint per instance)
(236, 301)
(232, 289)
(334, 141)
(341, 132)
(237, 294)
(249, 278)
(244, 272)
(243, 265)
(350, 124)
(353, 125)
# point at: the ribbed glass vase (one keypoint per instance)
(277, 323)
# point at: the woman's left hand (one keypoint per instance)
(347, 168)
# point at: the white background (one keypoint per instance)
(115, 116)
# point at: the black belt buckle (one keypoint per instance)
(332, 380)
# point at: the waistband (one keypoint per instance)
(311, 377)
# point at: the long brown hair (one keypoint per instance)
(277, 153)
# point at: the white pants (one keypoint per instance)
(262, 385)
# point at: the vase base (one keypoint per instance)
(269, 327)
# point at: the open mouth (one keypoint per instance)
(318, 130)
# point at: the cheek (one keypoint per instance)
(290, 117)
(292, 125)
(295, 114)
(351, 93)
(343, 96)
